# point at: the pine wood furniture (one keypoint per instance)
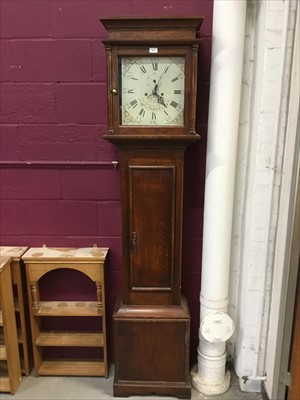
(21, 305)
(90, 262)
(151, 81)
(10, 367)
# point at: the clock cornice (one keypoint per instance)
(152, 27)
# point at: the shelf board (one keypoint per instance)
(69, 338)
(72, 367)
(4, 384)
(3, 355)
(68, 309)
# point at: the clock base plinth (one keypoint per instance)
(127, 389)
(152, 350)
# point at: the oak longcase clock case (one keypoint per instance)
(151, 86)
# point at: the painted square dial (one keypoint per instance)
(152, 91)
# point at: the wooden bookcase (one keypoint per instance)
(21, 305)
(10, 367)
(89, 261)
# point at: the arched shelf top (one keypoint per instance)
(91, 273)
(41, 260)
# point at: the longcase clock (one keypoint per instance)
(151, 81)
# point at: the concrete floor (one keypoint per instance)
(86, 388)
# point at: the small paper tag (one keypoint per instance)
(153, 50)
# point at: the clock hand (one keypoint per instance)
(158, 82)
(154, 91)
(152, 94)
(161, 100)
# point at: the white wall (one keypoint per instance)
(262, 137)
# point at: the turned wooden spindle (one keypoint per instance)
(35, 295)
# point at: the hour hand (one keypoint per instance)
(161, 100)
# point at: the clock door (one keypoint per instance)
(154, 236)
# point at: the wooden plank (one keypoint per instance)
(4, 384)
(83, 339)
(69, 255)
(72, 368)
(10, 351)
(2, 339)
(3, 355)
(68, 308)
(1, 319)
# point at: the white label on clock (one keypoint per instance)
(152, 91)
(153, 50)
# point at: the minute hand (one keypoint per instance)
(158, 82)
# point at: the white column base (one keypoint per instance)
(210, 387)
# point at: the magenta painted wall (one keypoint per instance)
(58, 186)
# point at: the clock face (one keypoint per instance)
(152, 91)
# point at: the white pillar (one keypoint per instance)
(210, 376)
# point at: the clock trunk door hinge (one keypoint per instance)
(133, 241)
(286, 378)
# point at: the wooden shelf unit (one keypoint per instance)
(91, 262)
(21, 305)
(10, 366)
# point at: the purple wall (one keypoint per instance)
(57, 183)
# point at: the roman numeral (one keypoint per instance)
(175, 79)
(155, 66)
(177, 91)
(131, 91)
(153, 115)
(143, 69)
(134, 103)
(173, 104)
(142, 112)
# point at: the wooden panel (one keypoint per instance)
(152, 27)
(152, 350)
(125, 311)
(3, 355)
(152, 221)
(152, 225)
(68, 308)
(72, 368)
(10, 351)
(83, 339)
(4, 384)
(21, 305)
(162, 346)
(38, 270)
